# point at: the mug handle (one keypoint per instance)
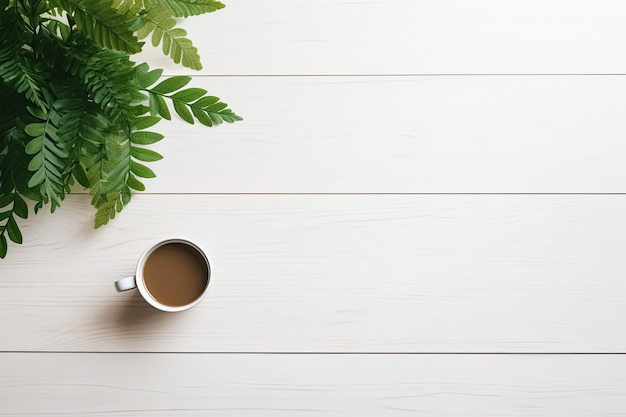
(125, 284)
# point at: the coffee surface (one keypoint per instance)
(175, 274)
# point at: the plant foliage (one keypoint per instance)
(74, 108)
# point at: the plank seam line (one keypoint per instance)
(513, 74)
(460, 353)
(367, 193)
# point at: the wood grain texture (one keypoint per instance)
(331, 273)
(310, 385)
(408, 37)
(329, 109)
(403, 134)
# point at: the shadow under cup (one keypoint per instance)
(175, 274)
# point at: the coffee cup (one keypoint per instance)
(171, 275)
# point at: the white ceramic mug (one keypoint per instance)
(137, 281)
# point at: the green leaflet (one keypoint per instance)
(50, 150)
(145, 122)
(143, 154)
(171, 84)
(189, 95)
(158, 106)
(181, 109)
(145, 138)
(19, 207)
(3, 246)
(14, 231)
(141, 170)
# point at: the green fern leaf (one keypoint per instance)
(207, 101)
(145, 138)
(101, 149)
(145, 155)
(135, 184)
(188, 103)
(109, 205)
(19, 72)
(146, 78)
(145, 122)
(112, 168)
(171, 84)
(49, 157)
(189, 94)
(19, 207)
(3, 246)
(105, 211)
(159, 106)
(159, 22)
(183, 111)
(116, 166)
(186, 8)
(106, 22)
(11, 205)
(13, 231)
(208, 110)
(141, 170)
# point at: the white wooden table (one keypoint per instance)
(423, 213)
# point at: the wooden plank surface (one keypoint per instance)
(403, 134)
(356, 97)
(311, 385)
(331, 273)
(408, 37)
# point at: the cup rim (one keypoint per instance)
(143, 290)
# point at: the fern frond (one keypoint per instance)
(49, 157)
(54, 141)
(72, 123)
(21, 73)
(104, 160)
(190, 103)
(106, 22)
(186, 8)
(102, 154)
(109, 205)
(159, 22)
